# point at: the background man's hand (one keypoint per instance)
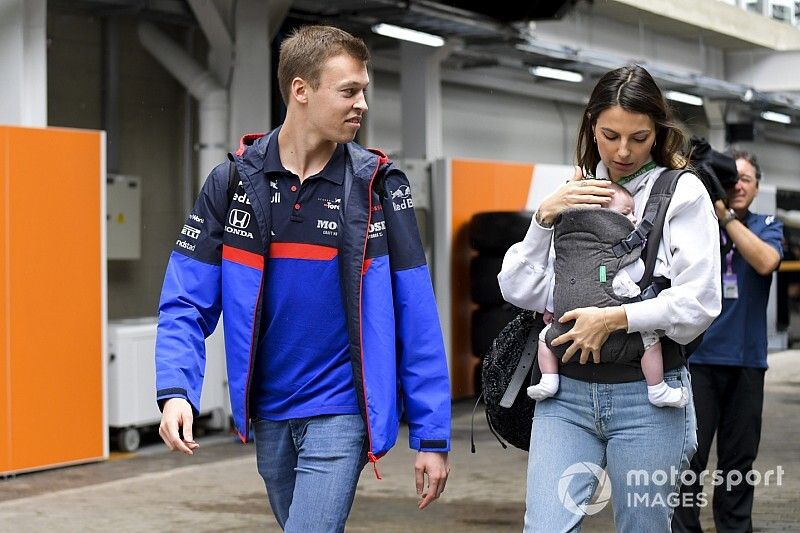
(177, 414)
(437, 468)
(720, 208)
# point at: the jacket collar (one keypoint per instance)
(333, 170)
(254, 149)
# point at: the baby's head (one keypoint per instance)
(622, 202)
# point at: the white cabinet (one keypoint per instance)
(132, 384)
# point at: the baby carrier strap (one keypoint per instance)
(673, 353)
(656, 211)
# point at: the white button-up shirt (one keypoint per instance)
(688, 255)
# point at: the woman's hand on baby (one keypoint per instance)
(587, 335)
(576, 192)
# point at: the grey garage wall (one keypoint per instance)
(477, 123)
(151, 110)
(480, 124)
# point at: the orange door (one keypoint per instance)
(52, 281)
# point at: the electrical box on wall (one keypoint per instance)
(123, 217)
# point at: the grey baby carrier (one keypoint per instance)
(586, 263)
(510, 366)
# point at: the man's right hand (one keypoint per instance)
(177, 414)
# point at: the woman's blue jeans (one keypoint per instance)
(311, 468)
(587, 427)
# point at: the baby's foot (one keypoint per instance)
(662, 395)
(547, 387)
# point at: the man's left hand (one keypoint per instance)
(437, 468)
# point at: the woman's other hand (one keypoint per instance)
(576, 192)
(592, 327)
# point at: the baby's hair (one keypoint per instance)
(619, 188)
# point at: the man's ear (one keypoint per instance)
(300, 90)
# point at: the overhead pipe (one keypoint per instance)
(111, 93)
(201, 84)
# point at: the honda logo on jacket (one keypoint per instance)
(239, 219)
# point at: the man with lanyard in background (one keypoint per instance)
(728, 367)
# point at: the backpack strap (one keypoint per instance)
(656, 209)
(233, 173)
(523, 369)
(233, 180)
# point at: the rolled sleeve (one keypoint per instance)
(527, 271)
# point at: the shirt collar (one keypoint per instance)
(635, 184)
(333, 170)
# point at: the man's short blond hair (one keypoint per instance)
(304, 53)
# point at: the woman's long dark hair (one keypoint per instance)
(633, 89)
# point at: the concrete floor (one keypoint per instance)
(219, 489)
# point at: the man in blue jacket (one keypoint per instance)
(309, 246)
(729, 365)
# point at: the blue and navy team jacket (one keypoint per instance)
(397, 353)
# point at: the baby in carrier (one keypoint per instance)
(582, 241)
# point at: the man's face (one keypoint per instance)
(336, 107)
(741, 195)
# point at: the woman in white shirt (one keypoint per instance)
(600, 417)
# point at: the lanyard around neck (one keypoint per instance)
(646, 168)
(729, 256)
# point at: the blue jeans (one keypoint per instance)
(311, 467)
(588, 427)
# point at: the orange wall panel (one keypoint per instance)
(477, 186)
(5, 314)
(54, 314)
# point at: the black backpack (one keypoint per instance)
(510, 366)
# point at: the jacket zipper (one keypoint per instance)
(253, 347)
(371, 456)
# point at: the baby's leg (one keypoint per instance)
(548, 364)
(658, 392)
(652, 362)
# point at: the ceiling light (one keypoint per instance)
(557, 74)
(684, 98)
(772, 116)
(405, 34)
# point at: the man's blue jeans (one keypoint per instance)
(311, 467)
(586, 427)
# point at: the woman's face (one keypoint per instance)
(624, 140)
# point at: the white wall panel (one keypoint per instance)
(480, 124)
